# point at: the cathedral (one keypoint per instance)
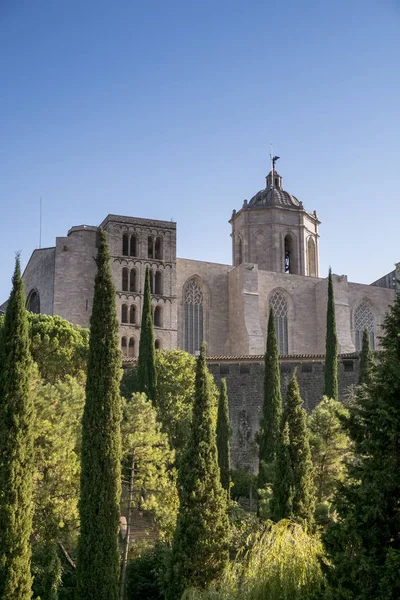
(275, 263)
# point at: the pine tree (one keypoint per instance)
(200, 545)
(98, 554)
(365, 359)
(300, 455)
(282, 490)
(331, 365)
(223, 437)
(146, 370)
(16, 449)
(363, 544)
(268, 436)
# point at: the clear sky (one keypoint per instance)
(166, 110)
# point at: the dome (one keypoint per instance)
(274, 195)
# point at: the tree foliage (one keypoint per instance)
(98, 553)
(201, 540)
(223, 437)
(366, 361)
(268, 437)
(282, 489)
(16, 448)
(331, 389)
(364, 543)
(146, 369)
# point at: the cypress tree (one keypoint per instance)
(200, 544)
(16, 448)
(98, 553)
(268, 436)
(146, 370)
(365, 360)
(331, 365)
(282, 490)
(300, 455)
(223, 437)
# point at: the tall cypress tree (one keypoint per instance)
(282, 489)
(146, 370)
(223, 437)
(300, 455)
(268, 436)
(331, 389)
(16, 449)
(98, 554)
(200, 545)
(365, 359)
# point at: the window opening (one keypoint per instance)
(150, 247)
(157, 316)
(364, 319)
(124, 346)
(132, 314)
(240, 251)
(131, 347)
(279, 305)
(158, 282)
(288, 254)
(125, 279)
(33, 302)
(133, 244)
(124, 313)
(158, 248)
(132, 282)
(311, 254)
(125, 241)
(157, 344)
(193, 311)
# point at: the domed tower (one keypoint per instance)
(275, 232)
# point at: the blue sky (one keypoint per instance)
(167, 109)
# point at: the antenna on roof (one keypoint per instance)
(40, 222)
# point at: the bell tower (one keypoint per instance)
(275, 231)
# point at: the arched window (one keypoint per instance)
(288, 254)
(33, 302)
(131, 351)
(279, 305)
(158, 282)
(157, 317)
(158, 248)
(124, 346)
(125, 275)
(125, 244)
(157, 344)
(240, 251)
(193, 302)
(364, 319)
(124, 313)
(133, 246)
(133, 281)
(311, 258)
(132, 314)
(150, 247)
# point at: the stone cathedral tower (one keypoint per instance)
(275, 232)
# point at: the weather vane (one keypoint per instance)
(273, 161)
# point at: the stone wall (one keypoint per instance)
(39, 276)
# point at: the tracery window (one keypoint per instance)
(279, 305)
(33, 302)
(193, 305)
(364, 319)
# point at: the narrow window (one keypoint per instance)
(193, 298)
(132, 281)
(133, 246)
(125, 276)
(150, 247)
(240, 251)
(279, 305)
(364, 319)
(151, 282)
(311, 256)
(158, 282)
(158, 248)
(157, 316)
(131, 347)
(157, 344)
(124, 346)
(132, 314)
(125, 243)
(288, 254)
(124, 313)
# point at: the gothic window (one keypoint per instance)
(133, 281)
(33, 302)
(279, 305)
(124, 313)
(157, 316)
(288, 254)
(133, 246)
(125, 244)
(240, 251)
(158, 282)
(124, 347)
(125, 275)
(132, 314)
(311, 258)
(364, 319)
(131, 351)
(157, 344)
(193, 306)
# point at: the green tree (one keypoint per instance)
(268, 437)
(98, 554)
(223, 437)
(300, 455)
(363, 545)
(146, 369)
(366, 360)
(201, 540)
(16, 448)
(282, 490)
(330, 447)
(331, 389)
